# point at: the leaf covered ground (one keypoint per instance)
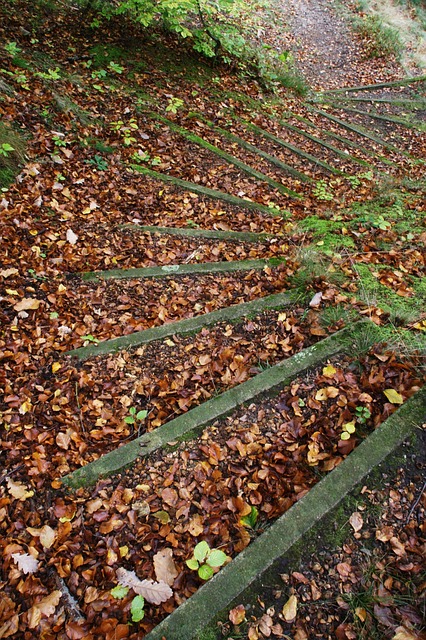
(344, 210)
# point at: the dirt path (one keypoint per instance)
(325, 49)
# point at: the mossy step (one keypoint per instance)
(211, 234)
(251, 147)
(180, 269)
(361, 131)
(192, 137)
(189, 424)
(209, 193)
(378, 116)
(416, 104)
(195, 618)
(380, 85)
(292, 148)
(189, 325)
(349, 143)
(323, 143)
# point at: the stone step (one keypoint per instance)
(209, 234)
(196, 618)
(189, 425)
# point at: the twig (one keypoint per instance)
(69, 601)
(415, 503)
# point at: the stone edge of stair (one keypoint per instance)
(188, 325)
(198, 613)
(187, 425)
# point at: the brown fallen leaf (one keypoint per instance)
(18, 490)
(46, 607)
(46, 534)
(237, 615)
(27, 304)
(164, 566)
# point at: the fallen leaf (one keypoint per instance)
(393, 396)
(356, 521)
(329, 371)
(71, 236)
(153, 592)
(18, 490)
(46, 534)
(290, 609)
(27, 304)
(404, 634)
(164, 566)
(316, 300)
(45, 607)
(237, 615)
(8, 272)
(26, 563)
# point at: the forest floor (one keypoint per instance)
(121, 143)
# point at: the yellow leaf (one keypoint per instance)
(12, 292)
(123, 551)
(169, 342)
(321, 395)
(361, 613)
(290, 609)
(25, 407)
(56, 366)
(349, 427)
(393, 396)
(282, 317)
(345, 435)
(329, 371)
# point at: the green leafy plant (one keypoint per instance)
(137, 606)
(99, 74)
(144, 156)
(6, 149)
(125, 130)
(12, 48)
(98, 162)
(59, 142)
(117, 68)
(19, 77)
(362, 414)
(50, 74)
(174, 104)
(205, 560)
(322, 191)
(135, 416)
(89, 338)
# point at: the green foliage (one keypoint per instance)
(6, 149)
(174, 104)
(362, 414)
(117, 68)
(250, 520)
(379, 40)
(89, 338)
(19, 77)
(98, 162)
(144, 156)
(125, 130)
(205, 560)
(137, 606)
(50, 74)
(12, 48)
(135, 417)
(322, 191)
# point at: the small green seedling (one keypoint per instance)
(174, 104)
(89, 338)
(98, 162)
(116, 67)
(205, 560)
(134, 417)
(99, 74)
(59, 142)
(362, 414)
(12, 48)
(50, 74)
(5, 149)
(136, 608)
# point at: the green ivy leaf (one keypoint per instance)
(250, 519)
(119, 592)
(205, 572)
(136, 608)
